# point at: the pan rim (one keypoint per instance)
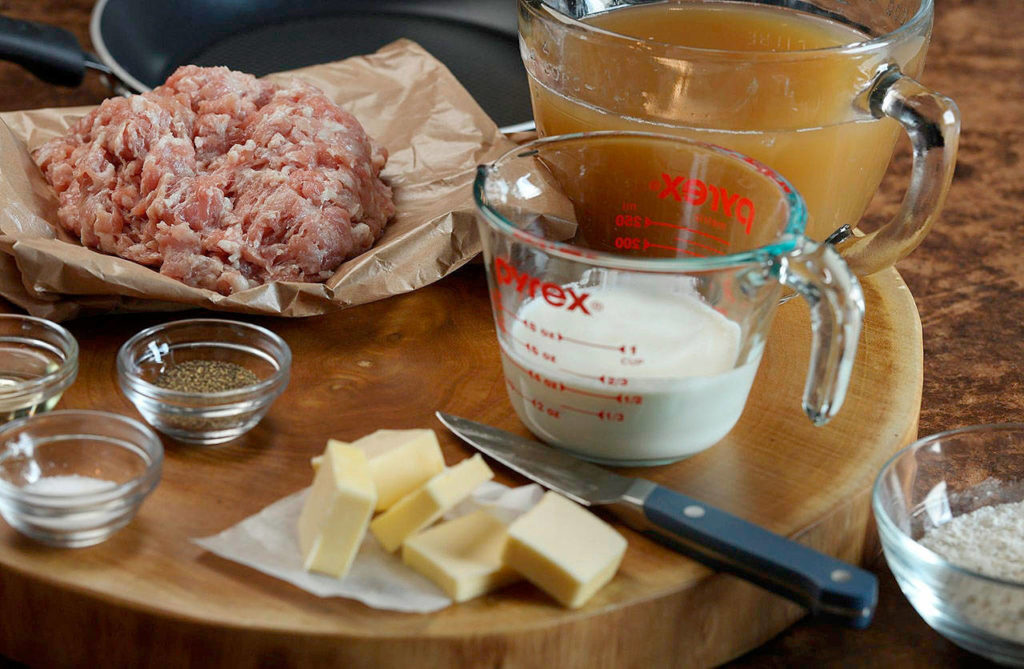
(121, 74)
(101, 50)
(100, 45)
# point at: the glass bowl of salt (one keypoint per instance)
(203, 380)
(950, 515)
(72, 478)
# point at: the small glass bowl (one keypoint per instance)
(38, 362)
(926, 485)
(201, 417)
(73, 478)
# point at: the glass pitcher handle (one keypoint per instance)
(933, 123)
(818, 274)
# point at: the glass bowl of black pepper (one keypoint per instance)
(950, 515)
(203, 380)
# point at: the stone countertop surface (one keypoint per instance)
(967, 279)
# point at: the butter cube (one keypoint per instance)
(564, 549)
(337, 510)
(426, 504)
(400, 461)
(462, 556)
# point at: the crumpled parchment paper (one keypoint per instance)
(268, 541)
(435, 134)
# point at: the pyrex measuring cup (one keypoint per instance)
(633, 280)
(818, 90)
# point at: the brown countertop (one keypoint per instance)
(968, 282)
(967, 279)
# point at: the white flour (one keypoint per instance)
(989, 541)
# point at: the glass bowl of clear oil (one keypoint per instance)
(38, 362)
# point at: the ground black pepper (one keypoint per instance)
(205, 376)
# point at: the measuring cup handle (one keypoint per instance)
(822, 278)
(933, 123)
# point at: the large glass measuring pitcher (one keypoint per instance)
(818, 90)
(633, 280)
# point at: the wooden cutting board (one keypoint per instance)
(151, 596)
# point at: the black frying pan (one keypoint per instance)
(140, 43)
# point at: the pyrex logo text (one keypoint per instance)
(696, 192)
(553, 294)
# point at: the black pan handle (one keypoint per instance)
(51, 53)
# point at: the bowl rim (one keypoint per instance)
(60, 378)
(265, 387)
(919, 21)
(908, 543)
(139, 486)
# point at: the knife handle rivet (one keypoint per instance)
(841, 576)
(693, 511)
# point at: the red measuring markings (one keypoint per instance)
(603, 378)
(648, 223)
(650, 245)
(511, 359)
(529, 325)
(641, 244)
(535, 403)
(562, 388)
(514, 389)
(535, 350)
(703, 246)
(558, 386)
(621, 348)
(554, 335)
(611, 416)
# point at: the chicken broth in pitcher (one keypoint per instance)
(794, 116)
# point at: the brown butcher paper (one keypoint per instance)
(435, 134)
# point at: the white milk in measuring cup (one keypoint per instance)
(644, 367)
(633, 282)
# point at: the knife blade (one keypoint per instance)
(829, 588)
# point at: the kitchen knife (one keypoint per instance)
(828, 587)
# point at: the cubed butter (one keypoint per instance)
(427, 503)
(337, 510)
(564, 549)
(400, 461)
(462, 556)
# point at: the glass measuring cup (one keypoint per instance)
(633, 279)
(818, 90)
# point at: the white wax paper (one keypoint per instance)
(268, 542)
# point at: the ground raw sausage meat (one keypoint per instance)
(221, 180)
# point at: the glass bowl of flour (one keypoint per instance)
(950, 514)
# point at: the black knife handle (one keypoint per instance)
(829, 588)
(51, 53)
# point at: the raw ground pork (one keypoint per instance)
(221, 180)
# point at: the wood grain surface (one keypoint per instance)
(966, 279)
(392, 364)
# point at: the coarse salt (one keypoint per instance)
(72, 484)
